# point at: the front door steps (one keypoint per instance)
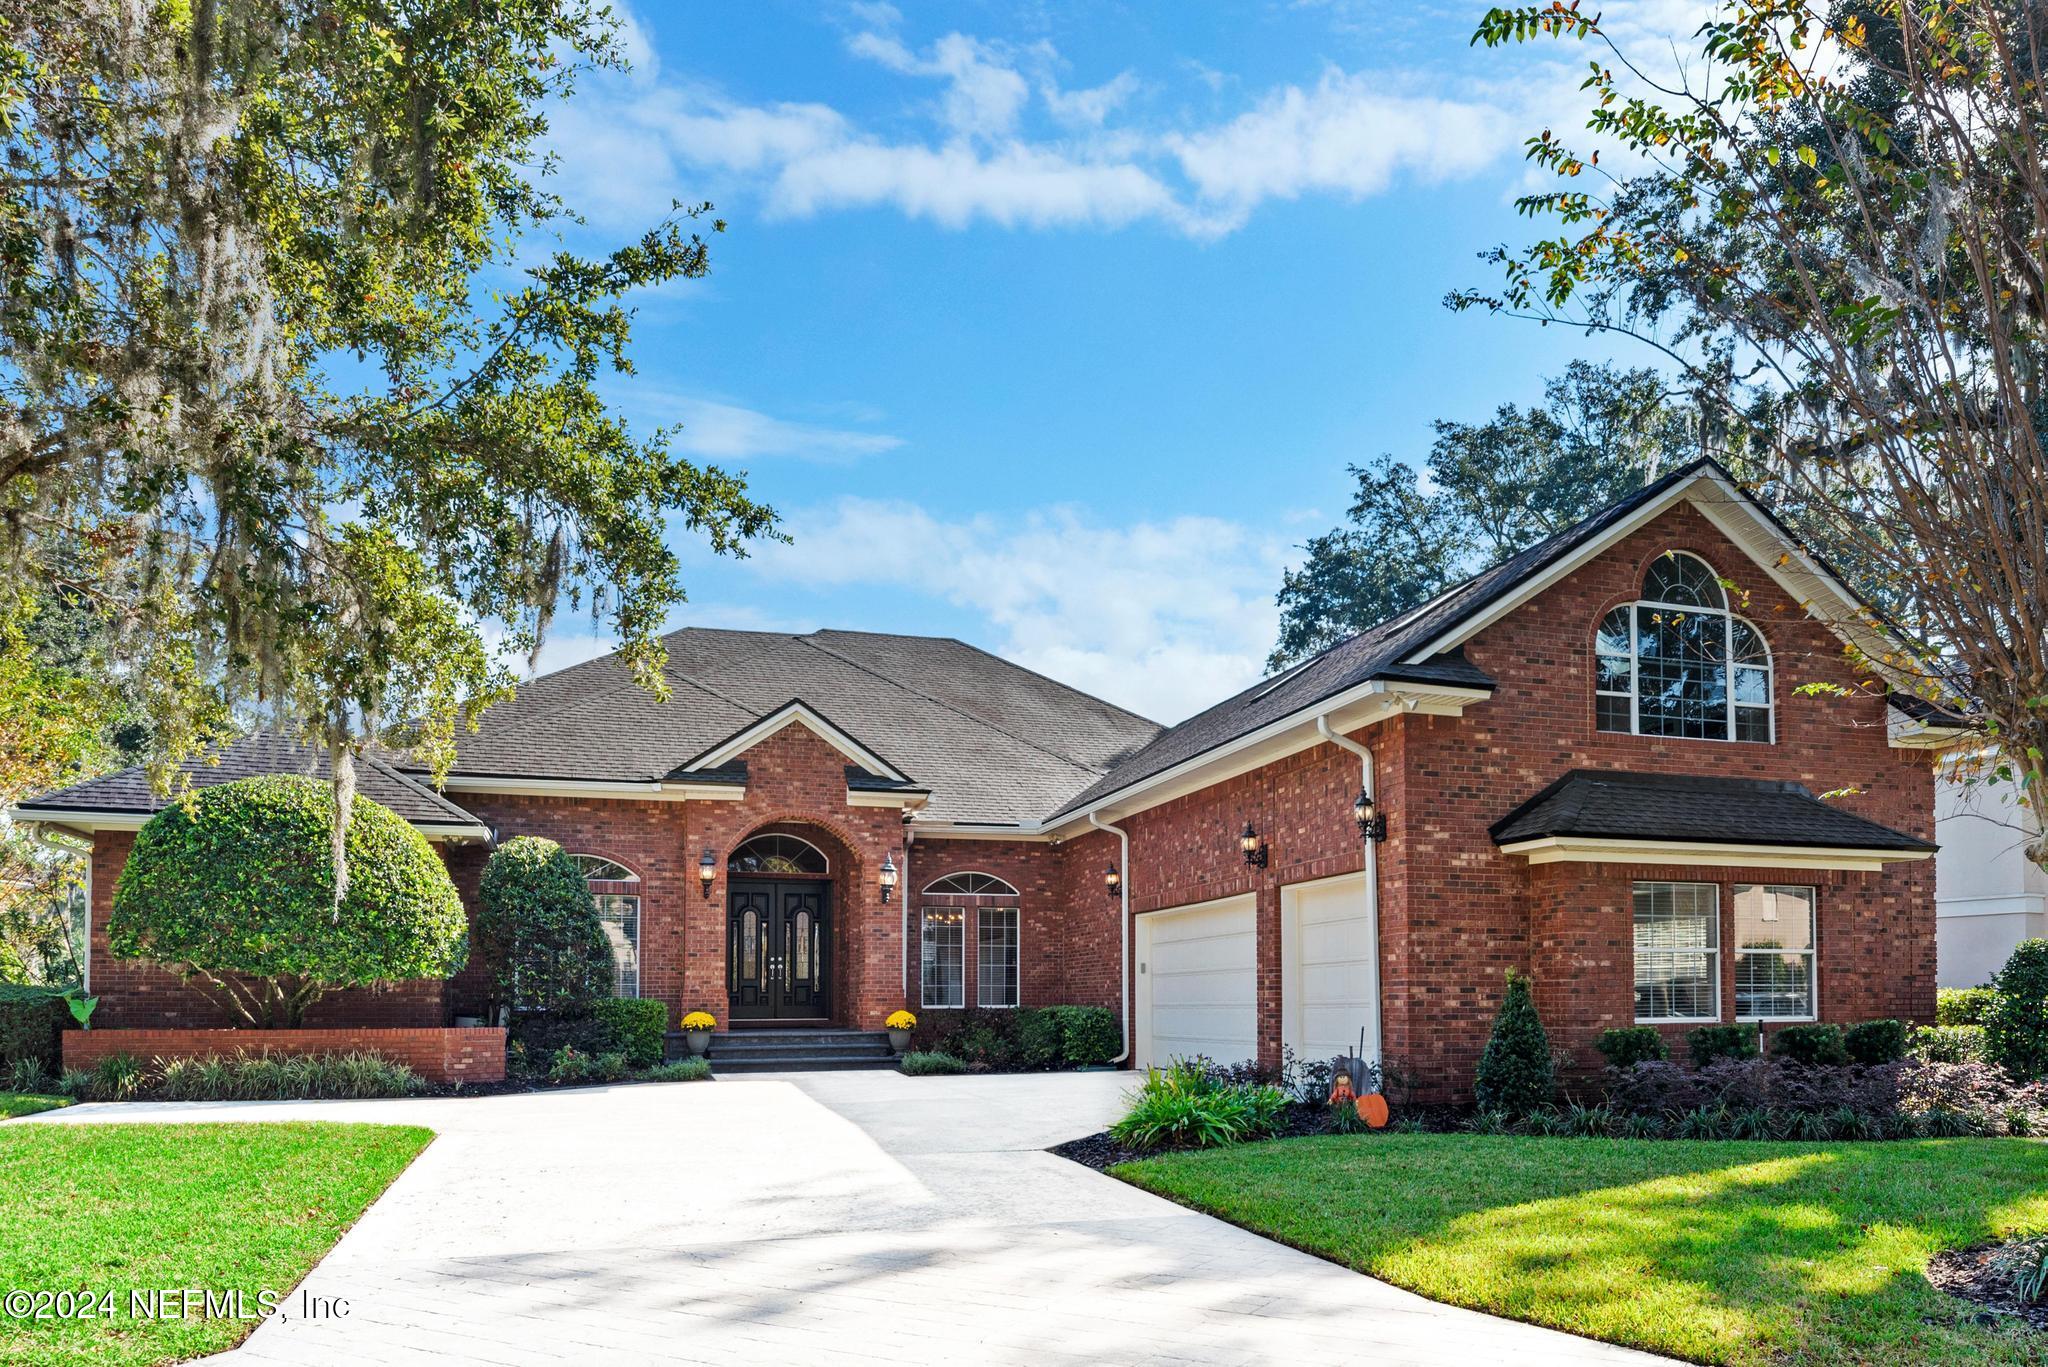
(786, 1050)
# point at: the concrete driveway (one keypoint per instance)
(819, 1218)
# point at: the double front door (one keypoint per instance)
(776, 947)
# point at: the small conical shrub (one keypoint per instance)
(1515, 1074)
(2016, 1021)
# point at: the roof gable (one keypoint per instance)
(795, 712)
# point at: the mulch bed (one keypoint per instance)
(1100, 1152)
(1980, 1276)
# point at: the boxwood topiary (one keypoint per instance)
(1515, 1074)
(638, 1026)
(537, 927)
(1819, 1044)
(1632, 1044)
(2016, 1022)
(1874, 1042)
(232, 887)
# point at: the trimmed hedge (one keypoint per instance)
(31, 1020)
(1026, 1038)
(1817, 1044)
(1632, 1044)
(638, 1026)
(1874, 1042)
(234, 884)
(1089, 1035)
(538, 928)
(1711, 1043)
(1962, 1005)
(1949, 1043)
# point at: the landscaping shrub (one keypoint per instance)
(1089, 1035)
(1819, 1044)
(682, 1070)
(1038, 1038)
(1632, 1044)
(25, 1075)
(232, 888)
(1948, 1043)
(1184, 1106)
(1962, 1005)
(535, 1039)
(1882, 1041)
(117, 1077)
(638, 1027)
(930, 1063)
(1515, 1071)
(1710, 1043)
(31, 1023)
(2016, 1021)
(277, 1077)
(1781, 1098)
(572, 1066)
(537, 927)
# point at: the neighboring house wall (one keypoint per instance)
(1988, 895)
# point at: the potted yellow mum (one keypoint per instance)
(899, 1026)
(697, 1028)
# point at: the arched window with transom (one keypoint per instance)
(616, 891)
(998, 941)
(777, 853)
(1679, 662)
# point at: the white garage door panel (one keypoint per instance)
(1200, 983)
(1328, 957)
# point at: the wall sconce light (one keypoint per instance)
(888, 876)
(1111, 881)
(707, 869)
(1372, 822)
(1254, 847)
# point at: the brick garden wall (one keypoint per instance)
(440, 1055)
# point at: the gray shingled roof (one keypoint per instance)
(994, 742)
(262, 753)
(1730, 811)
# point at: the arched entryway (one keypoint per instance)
(782, 959)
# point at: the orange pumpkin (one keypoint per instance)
(1372, 1109)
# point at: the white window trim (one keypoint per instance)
(1812, 955)
(923, 982)
(1729, 617)
(631, 877)
(1714, 954)
(1017, 914)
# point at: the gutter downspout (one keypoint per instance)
(903, 972)
(1372, 873)
(1123, 938)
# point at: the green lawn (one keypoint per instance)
(219, 1207)
(13, 1104)
(1719, 1252)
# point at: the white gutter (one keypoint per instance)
(1372, 875)
(1123, 938)
(903, 971)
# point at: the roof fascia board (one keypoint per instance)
(86, 820)
(647, 791)
(1361, 705)
(1909, 733)
(1569, 849)
(786, 715)
(858, 798)
(948, 830)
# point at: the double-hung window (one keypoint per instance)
(943, 958)
(1678, 952)
(1774, 952)
(995, 966)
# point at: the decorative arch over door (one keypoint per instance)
(775, 852)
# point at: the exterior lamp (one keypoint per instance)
(888, 876)
(1254, 847)
(1372, 822)
(1111, 881)
(707, 869)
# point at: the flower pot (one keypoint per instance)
(899, 1040)
(700, 1040)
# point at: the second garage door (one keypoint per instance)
(1198, 982)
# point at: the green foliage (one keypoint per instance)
(1629, 1045)
(1711, 1042)
(1026, 1038)
(243, 1076)
(1185, 1105)
(1963, 1005)
(638, 1025)
(117, 1077)
(1515, 1074)
(1038, 1037)
(1879, 1041)
(930, 1063)
(25, 1075)
(691, 1069)
(1089, 1035)
(232, 887)
(538, 929)
(1820, 1044)
(2016, 1022)
(571, 1067)
(274, 188)
(2026, 1268)
(31, 1025)
(1948, 1043)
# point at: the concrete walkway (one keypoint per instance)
(819, 1218)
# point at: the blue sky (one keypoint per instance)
(1054, 328)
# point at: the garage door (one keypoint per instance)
(1198, 982)
(1329, 968)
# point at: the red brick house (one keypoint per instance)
(1594, 761)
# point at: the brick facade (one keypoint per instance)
(1453, 911)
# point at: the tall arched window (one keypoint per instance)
(998, 949)
(616, 890)
(1677, 662)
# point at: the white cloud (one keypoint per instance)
(1165, 618)
(729, 432)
